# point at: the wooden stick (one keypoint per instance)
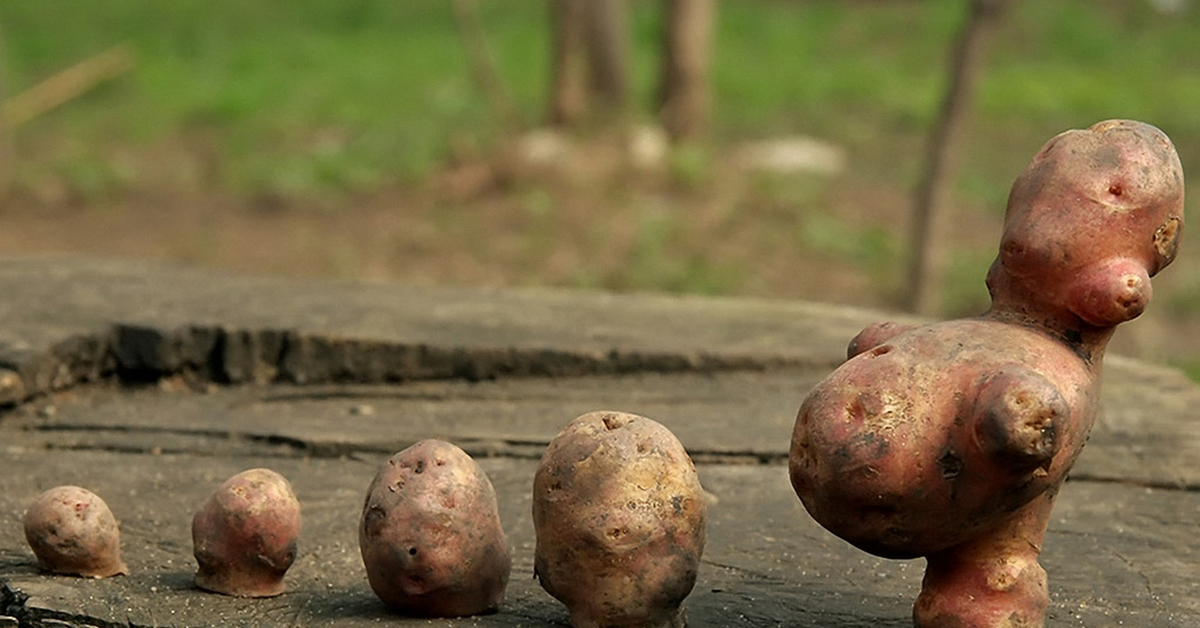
(6, 155)
(930, 215)
(483, 65)
(68, 84)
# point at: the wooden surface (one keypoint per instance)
(1123, 547)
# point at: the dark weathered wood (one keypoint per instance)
(1118, 553)
(1144, 435)
(60, 320)
(509, 417)
(1122, 547)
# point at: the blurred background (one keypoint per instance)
(802, 149)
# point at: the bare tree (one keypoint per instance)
(483, 64)
(6, 148)
(608, 54)
(568, 85)
(684, 90)
(590, 58)
(927, 267)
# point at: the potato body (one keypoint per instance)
(902, 452)
(951, 440)
(620, 522)
(72, 532)
(430, 534)
(245, 536)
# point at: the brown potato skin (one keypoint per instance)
(72, 532)
(951, 440)
(245, 535)
(430, 534)
(620, 521)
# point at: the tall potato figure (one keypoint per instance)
(620, 522)
(951, 440)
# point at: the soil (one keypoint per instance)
(588, 222)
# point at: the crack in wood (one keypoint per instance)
(487, 447)
(528, 449)
(132, 354)
(1180, 485)
(15, 612)
(1134, 569)
(743, 571)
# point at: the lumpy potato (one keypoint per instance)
(430, 534)
(72, 532)
(620, 520)
(245, 536)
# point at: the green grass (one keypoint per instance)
(327, 100)
(307, 97)
(323, 97)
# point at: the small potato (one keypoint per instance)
(620, 522)
(430, 534)
(72, 532)
(245, 535)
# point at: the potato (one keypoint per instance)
(72, 532)
(430, 534)
(951, 440)
(620, 522)
(244, 537)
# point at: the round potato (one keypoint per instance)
(72, 532)
(430, 534)
(620, 522)
(245, 535)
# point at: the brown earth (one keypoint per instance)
(586, 222)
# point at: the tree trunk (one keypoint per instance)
(929, 231)
(684, 91)
(608, 58)
(590, 60)
(481, 61)
(6, 147)
(568, 87)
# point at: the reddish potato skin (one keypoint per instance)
(72, 532)
(620, 521)
(430, 534)
(951, 441)
(889, 463)
(245, 536)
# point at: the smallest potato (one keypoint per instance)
(620, 522)
(430, 534)
(72, 532)
(245, 535)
